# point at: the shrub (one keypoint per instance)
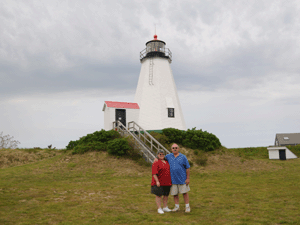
(194, 139)
(72, 145)
(161, 138)
(96, 138)
(118, 147)
(198, 139)
(93, 146)
(174, 135)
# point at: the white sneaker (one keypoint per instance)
(166, 209)
(175, 209)
(160, 211)
(187, 209)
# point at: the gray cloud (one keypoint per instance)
(246, 49)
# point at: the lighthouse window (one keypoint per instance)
(171, 112)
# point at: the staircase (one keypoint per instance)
(144, 142)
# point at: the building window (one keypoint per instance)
(171, 112)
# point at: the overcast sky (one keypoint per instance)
(235, 64)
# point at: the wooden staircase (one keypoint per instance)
(144, 142)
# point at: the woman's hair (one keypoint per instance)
(160, 151)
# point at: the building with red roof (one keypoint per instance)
(122, 111)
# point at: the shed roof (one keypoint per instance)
(290, 138)
(122, 105)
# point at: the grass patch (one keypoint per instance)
(17, 157)
(295, 149)
(251, 153)
(96, 188)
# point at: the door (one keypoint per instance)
(121, 116)
(282, 155)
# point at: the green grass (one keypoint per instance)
(95, 188)
(294, 149)
(252, 152)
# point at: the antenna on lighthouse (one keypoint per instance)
(155, 36)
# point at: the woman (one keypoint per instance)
(161, 181)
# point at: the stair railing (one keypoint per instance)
(147, 154)
(144, 136)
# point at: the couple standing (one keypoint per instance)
(170, 175)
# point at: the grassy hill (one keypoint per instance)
(234, 187)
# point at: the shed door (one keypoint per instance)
(282, 155)
(121, 116)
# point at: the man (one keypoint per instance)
(180, 176)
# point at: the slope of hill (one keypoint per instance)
(96, 188)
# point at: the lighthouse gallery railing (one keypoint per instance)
(167, 53)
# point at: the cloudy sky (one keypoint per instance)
(235, 64)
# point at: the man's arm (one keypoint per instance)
(156, 159)
(187, 181)
(156, 179)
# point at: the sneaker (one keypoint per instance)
(160, 211)
(166, 209)
(187, 209)
(175, 209)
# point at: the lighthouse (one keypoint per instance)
(156, 92)
(156, 104)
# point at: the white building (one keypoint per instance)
(280, 152)
(156, 92)
(122, 111)
(156, 100)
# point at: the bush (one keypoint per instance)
(194, 139)
(161, 138)
(174, 135)
(93, 146)
(118, 147)
(198, 139)
(72, 145)
(95, 141)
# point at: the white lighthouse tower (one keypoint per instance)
(156, 93)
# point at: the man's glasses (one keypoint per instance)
(174, 147)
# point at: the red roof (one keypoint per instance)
(124, 105)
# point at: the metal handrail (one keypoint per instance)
(147, 137)
(167, 52)
(144, 149)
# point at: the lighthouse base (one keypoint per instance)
(156, 131)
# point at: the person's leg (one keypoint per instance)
(186, 198)
(176, 199)
(186, 201)
(165, 200)
(158, 201)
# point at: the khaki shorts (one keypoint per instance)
(179, 189)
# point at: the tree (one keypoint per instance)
(6, 141)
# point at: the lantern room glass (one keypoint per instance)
(155, 46)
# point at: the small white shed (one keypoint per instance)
(280, 152)
(122, 111)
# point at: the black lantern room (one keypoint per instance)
(156, 48)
